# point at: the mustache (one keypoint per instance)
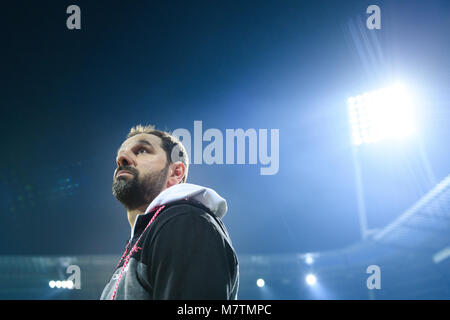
(127, 168)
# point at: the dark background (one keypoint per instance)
(69, 97)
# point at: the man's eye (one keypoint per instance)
(142, 150)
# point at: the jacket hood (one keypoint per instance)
(187, 191)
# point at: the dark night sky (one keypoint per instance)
(69, 98)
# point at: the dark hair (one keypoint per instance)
(171, 145)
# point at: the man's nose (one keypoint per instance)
(125, 159)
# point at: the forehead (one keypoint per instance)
(142, 138)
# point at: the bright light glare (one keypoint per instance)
(66, 284)
(260, 283)
(382, 114)
(311, 279)
(69, 284)
(309, 259)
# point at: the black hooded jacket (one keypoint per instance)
(185, 253)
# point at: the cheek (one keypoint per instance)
(151, 163)
(155, 164)
(148, 168)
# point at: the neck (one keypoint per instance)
(132, 214)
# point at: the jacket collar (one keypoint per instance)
(185, 191)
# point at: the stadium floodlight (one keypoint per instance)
(382, 114)
(311, 279)
(375, 116)
(69, 284)
(309, 259)
(260, 283)
(66, 284)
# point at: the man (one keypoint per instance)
(179, 247)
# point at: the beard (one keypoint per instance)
(139, 191)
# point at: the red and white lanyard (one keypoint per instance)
(127, 259)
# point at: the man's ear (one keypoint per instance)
(175, 174)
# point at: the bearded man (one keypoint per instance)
(179, 248)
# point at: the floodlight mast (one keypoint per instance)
(356, 140)
(374, 116)
(387, 113)
(360, 194)
(361, 133)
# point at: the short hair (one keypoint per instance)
(168, 143)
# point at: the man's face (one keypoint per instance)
(141, 172)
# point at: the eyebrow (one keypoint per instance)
(142, 141)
